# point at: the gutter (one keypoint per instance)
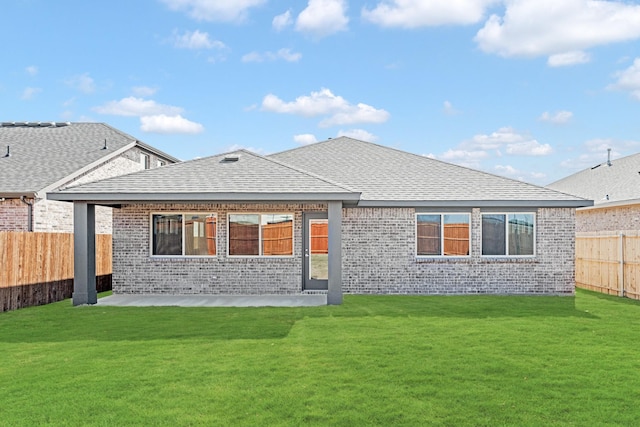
(23, 199)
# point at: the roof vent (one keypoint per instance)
(608, 156)
(230, 159)
(8, 152)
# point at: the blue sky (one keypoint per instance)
(529, 89)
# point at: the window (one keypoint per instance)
(160, 163)
(442, 234)
(508, 234)
(189, 234)
(260, 234)
(145, 160)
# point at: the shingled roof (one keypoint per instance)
(614, 181)
(339, 169)
(390, 177)
(44, 156)
(236, 176)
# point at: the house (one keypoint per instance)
(614, 186)
(39, 157)
(392, 222)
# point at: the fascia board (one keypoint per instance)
(120, 198)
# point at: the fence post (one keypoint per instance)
(621, 264)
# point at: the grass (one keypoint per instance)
(375, 360)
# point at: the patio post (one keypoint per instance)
(84, 254)
(334, 294)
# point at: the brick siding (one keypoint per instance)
(378, 249)
(135, 271)
(615, 218)
(14, 215)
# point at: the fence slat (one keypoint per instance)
(609, 263)
(38, 267)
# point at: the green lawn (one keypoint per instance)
(376, 360)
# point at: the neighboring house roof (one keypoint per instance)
(237, 176)
(339, 169)
(44, 156)
(607, 182)
(390, 177)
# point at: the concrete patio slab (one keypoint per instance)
(306, 300)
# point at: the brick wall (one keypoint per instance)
(14, 215)
(378, 250)
(135, 271)
(616, 218)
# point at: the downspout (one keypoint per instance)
(30, 212)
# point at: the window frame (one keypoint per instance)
(145, 160)
(260, 241)
(183, 230)
(442, 254)
(507, 214)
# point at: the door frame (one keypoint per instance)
(309, 284)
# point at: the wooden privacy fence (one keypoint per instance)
(277, 239)
(319, 237)
(456, 239)
(37, 268)
(609, 263)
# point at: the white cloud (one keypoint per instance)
(500, 138)
(511, 172)
(144, 91)
(568, 58)
(468, 158)
(236, 147)
(449, 109)
(507, 139)
(420, 13)
(512, 142)
(595, 152)
(557, 118)
(325, 103)
(529, 148)
(214, 10)
(30, 92)
(282, 21)
(32, 70)
(360, 134)
(629, 80)
(83, 83)
(162, 123)
(284, 54)
(322, 18)
(360, 113)
(133, 106)
(305, 139)
(195, 40)
(560, 29)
